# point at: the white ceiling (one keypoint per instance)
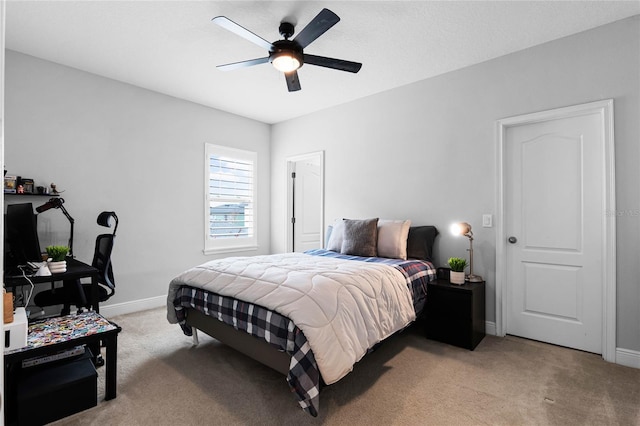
(173, 48)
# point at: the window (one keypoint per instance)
(230, 199)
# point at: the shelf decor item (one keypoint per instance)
(28, 185)
(10, 184)
(464, 229)
(457, 265)
(58, 256)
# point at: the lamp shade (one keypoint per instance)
(462, 228)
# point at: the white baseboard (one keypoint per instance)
(628, 357)
(133, 306)
(490, 328)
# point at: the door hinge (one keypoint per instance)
(293, 220)
(293, 175)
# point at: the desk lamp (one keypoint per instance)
(57, 203)
(463, 228)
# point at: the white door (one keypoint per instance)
(306, 203)
(555, 195)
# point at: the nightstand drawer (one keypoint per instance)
(448, 304)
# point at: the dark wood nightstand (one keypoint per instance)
(455, 314)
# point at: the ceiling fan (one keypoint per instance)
(288, 55)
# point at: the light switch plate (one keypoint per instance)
(487, 221)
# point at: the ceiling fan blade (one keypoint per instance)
(293, 82)
(318, 26)
(242, 64)
(337, 64)
(228, 24)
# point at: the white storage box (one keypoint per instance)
(15, 333)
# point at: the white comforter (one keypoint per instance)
(344, 307)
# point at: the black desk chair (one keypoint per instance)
(75, 292)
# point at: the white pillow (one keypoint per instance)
(392, 238)
(337, 236)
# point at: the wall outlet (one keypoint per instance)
(487, 221)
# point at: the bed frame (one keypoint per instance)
(240, 340)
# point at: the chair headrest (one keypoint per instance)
(103, 220)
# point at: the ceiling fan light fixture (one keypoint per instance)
(287, 55)
(286, 61)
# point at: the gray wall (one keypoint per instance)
(427, 151)
(113, 146)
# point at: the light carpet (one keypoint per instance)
(409, 380)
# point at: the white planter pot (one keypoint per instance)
(57, 267)
(456, 277)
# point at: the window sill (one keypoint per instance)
(229, 249)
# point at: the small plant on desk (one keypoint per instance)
(57, 253)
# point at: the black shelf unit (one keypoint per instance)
(31, 195)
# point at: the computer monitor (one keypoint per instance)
(21, 235)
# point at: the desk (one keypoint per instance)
(52, 335)
(75, 270)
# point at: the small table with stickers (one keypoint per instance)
(49, 338)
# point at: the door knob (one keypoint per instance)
(512, 240)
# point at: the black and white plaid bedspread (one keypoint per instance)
(281, 332)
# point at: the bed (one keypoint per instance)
(313, 315)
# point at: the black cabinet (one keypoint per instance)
(58, 389)
(455, 314)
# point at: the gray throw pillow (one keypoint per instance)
(360, 237)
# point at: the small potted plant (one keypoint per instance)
(457, 265)
(57, 258)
